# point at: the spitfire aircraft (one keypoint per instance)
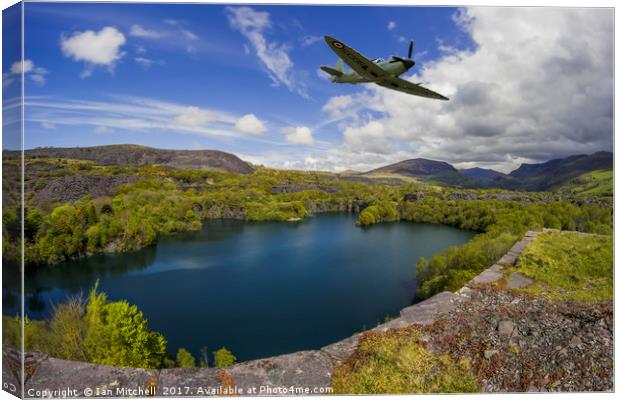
(382, 72)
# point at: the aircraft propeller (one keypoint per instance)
(408, 62)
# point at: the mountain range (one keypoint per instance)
(548, 175)
(544, 176)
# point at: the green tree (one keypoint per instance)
(224, 358)
(118, 334)
(185, 359)
(67, 331)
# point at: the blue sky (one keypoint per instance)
(245, 79)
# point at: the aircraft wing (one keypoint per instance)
(355, 60)
(402, 85)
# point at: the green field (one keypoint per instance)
(592, 183)
(569, 266)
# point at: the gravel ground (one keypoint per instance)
(516, 342)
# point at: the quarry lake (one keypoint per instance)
(259, 289)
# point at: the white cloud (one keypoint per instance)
(40, 79)
(17, 68)
(48, 125)
(194, 116)
(134, 114)
(309, 40)
(147, 62)
(88, 71)
(337, 104)
(101, 48)
(370, 137)
(189, 34)
(391, 25)
(274, 56)
(30, 70)
(298, 135)
(170, 21)
(139, 31)
(7, 80)
(103, 130)
(250, 124)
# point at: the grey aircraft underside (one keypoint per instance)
(382, 72)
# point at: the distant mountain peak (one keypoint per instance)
(424, 169)
(482, 176)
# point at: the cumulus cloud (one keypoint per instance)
(537, 84)
(18, 67)
(101, 48)
(194, 116)
(31, 71)
(250, 124)
(252, 24)
(391, 25)
(298, 135)
(370, 137)
(139, 31)
(337, 105)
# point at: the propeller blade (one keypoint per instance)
(410, 49)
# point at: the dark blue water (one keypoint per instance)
(259, 289)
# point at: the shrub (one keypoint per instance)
(118, 334)
(224, 358)
(67, 331)
(185, 359)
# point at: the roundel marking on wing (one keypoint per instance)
(337, 45)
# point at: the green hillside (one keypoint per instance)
(599, 183)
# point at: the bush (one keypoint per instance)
(185, 359)
(380, 212)
(224, 358)
(118, 335)
(67, 331)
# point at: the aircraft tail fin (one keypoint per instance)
(332, 71)
(339, 66)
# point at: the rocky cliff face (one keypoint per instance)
(515, 342)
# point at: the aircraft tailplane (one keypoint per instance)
(332, 71)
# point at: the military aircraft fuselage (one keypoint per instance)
(392, 67)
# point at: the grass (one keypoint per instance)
(569, 266)
(396, 362)
(592, 183)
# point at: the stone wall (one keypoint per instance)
(303, 372)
